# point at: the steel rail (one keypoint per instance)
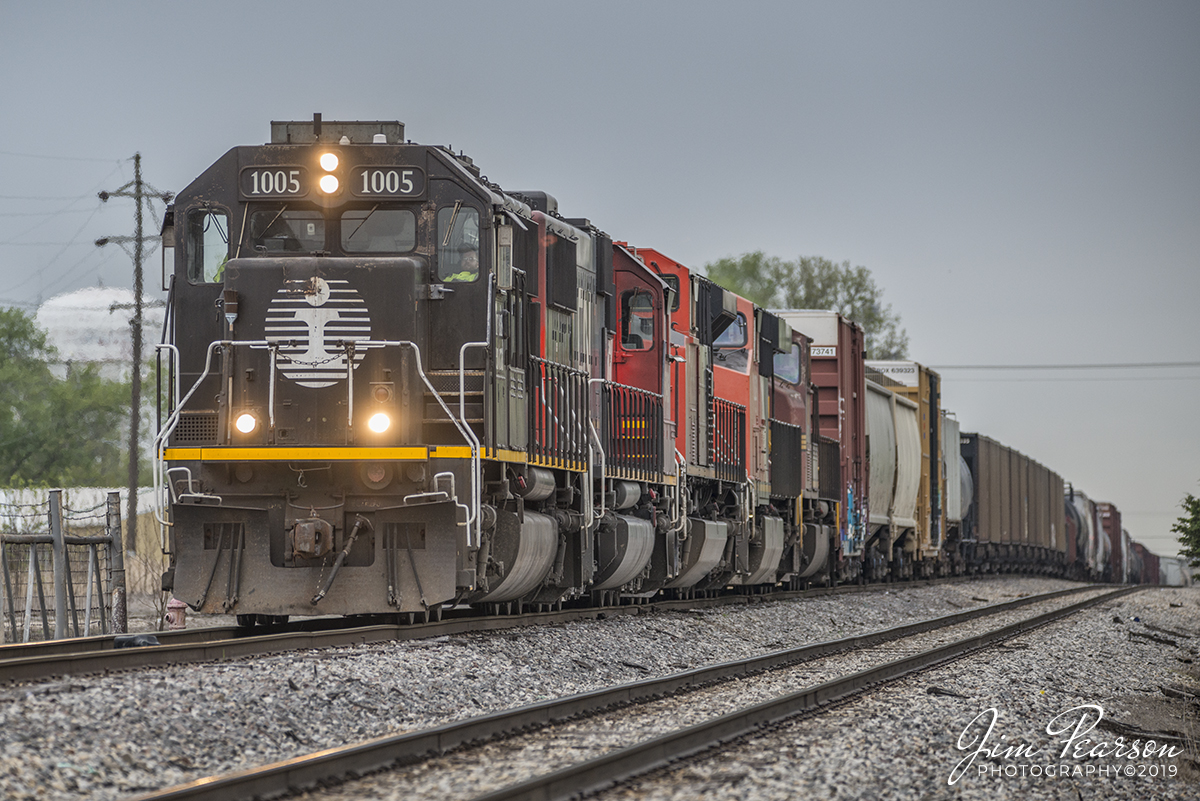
(96, 654)
(253, 644)
(590, 776)
(333, 764)
(107, 642)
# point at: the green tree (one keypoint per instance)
(1188, 529)
(55, 431)
(812, 282)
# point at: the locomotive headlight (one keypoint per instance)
(329, 183)
(245, 423)
(379, 422)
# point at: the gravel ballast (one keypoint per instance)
(902, 741)
(473, 772)
(107, 737)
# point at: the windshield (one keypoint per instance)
(286, 230)
(379, 230)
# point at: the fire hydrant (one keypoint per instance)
(176, 614)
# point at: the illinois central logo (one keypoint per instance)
(311, 320)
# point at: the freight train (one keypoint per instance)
(395, 387)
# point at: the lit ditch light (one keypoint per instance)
(379, 422)
(246, 423)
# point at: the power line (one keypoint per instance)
(41, 244)
(53, 286)
(40, 213)
(1176, 513)
(56, 256)
(112, 308)
(45, 197)
(35, 226)
(1098, 380)
(57, 158)
(1108, 366)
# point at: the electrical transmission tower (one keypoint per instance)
(142, 193)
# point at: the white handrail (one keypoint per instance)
(473, 517)
(680, 491)
(173, 421)
(599, 448)
(159, 471)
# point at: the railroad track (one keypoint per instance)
(586, 775)
(91, 655)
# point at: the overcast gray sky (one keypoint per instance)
(1022, 178)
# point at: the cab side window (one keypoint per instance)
(730, 347)
(207, 245)
(733, 336)
(637, 320)
(458, 243)
(673, 286)
(787, 365)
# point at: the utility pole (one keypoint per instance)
(141, 192)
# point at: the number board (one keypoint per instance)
(369, 180)
(275, 181)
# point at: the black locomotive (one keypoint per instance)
(396, 386)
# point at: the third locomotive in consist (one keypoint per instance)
(396, 386)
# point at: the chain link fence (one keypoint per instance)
(62, 563)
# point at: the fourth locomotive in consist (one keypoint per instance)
(396, 387)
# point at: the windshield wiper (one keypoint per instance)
(278, 214)
(362, 223)
(450, 226)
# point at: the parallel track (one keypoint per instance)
(334, 764)
(86, 655)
